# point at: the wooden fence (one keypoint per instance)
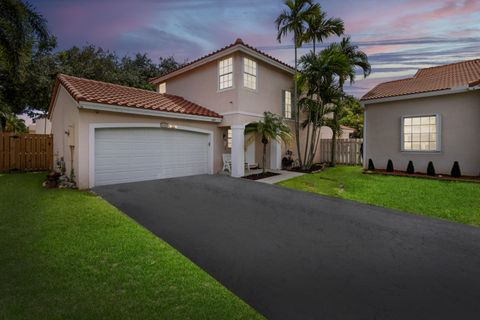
(26, 152)
(347, 151)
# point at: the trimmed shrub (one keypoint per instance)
(455, 170)
(431, 169)
(389, 166)
(410, 167)
(371, 167)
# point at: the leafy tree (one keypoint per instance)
(23, 35)
(272, 127)
(353, 115)
(15, 124)
(168, 65)
(293, 20)
(319, 27)
(356, 59)
(319, 72)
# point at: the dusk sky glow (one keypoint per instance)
(399, 36)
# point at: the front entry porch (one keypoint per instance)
(245, 152)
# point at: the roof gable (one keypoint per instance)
(238, 45)
(461, 74)
(85, 90)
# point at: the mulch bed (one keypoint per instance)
(425, 176)
(317, 167)
(259, 176)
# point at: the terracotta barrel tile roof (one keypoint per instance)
(460, 74)
(113, 94)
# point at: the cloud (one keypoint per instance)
(399, 36)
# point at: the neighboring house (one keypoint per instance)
(434, 116)
(112, 134)
(43, 126)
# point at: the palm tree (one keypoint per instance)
(272, 127)
(319, 27)
(14, 124)
(356, 59)
(20, 27)
(319, 75)
(293, 20)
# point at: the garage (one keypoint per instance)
(137, 154)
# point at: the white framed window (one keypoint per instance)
(229, 138)
(249, 74)
(225, 73)
(421, 133)
(287, 104)
(162, 87)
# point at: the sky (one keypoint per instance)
(399, 36)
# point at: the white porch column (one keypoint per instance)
(238, 151)
(275, 155)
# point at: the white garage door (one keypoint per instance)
(137, 154)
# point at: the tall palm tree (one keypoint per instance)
(293, 20)
(272, 127)
(319, 27)
(357, 59)
(319, 74)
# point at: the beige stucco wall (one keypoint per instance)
(87, 117)
(460, 132)
(240, 105)
(64, 117)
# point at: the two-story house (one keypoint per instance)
(110, 134)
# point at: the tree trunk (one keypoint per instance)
(264, 158)
(295, 105)
(334, 141)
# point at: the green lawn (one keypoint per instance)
(451, 200)
(66, 254)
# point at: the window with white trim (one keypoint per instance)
(229, 138)
(249, 74)
(421, 133)
(162, 87)
(287, 103)
(225, 73)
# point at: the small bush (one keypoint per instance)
(371, 167)
(410, 168)
(455, 170)
(431, 169)
(389, 166)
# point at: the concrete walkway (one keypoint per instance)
(283, 175)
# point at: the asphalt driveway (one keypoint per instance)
(295, 255)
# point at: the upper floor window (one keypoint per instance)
(421, 133)
(287, 104)
(249, 74)
(225, 73)
(162, 87)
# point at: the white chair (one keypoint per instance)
(227, 163)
